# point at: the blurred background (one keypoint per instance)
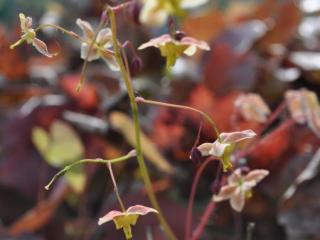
(266, 47)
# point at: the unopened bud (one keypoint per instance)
(195, 155)
(136, 65)
(179, 35)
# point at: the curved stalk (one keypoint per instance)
(204, 114)
(134, 108)
(98, 160)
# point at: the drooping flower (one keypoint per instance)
(239, 187)
(224, 146)
(126, 219)
(252, 107)
(154, 13)
(172, 48)
(101, 47)
(29, 36)
(304, 108)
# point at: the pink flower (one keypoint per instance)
(126, 219)
(101, 47)
(224, 146)
(252, 107)
(172, 48)
(29, 36)
(304, 108)
(239, 187)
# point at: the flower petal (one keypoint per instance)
(225, 193)
(104, 38)
(256, 175)
(205, 149)
(233, 137)
(110, 61)
(252, 107)
(110, 216)
(235, 177)
(237, 200)
(25, 22)
(86, 28)
(152, 14)
(85, 51)
(194, 42)
(140, 210)
(191, 50)
(41, 47)
(218, 149)
(157, 42)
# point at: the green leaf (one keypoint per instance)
(65, 147)
(40, 139)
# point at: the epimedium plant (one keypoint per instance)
(103, 43)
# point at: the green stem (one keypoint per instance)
(63, 30)
(98, 160)
(204, 114)
(134, 108)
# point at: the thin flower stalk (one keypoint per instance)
(204, 114)
(195, 182)
(96, 161)
(134, 107)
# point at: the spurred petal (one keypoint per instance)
(237, 200)
(86, 28)
(41, 47)
(256, 175)
(225, 193)
(233, 137)
(85, 51)
(110, 216)
(104, 38)
(205, 149)
(140, 210)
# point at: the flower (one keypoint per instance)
(154, 13)
(224, 146)
(172, 48)
(304, 108)
(125, 219)
(252, 107)
(29, 36)
(100, 48)
(239, 187)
